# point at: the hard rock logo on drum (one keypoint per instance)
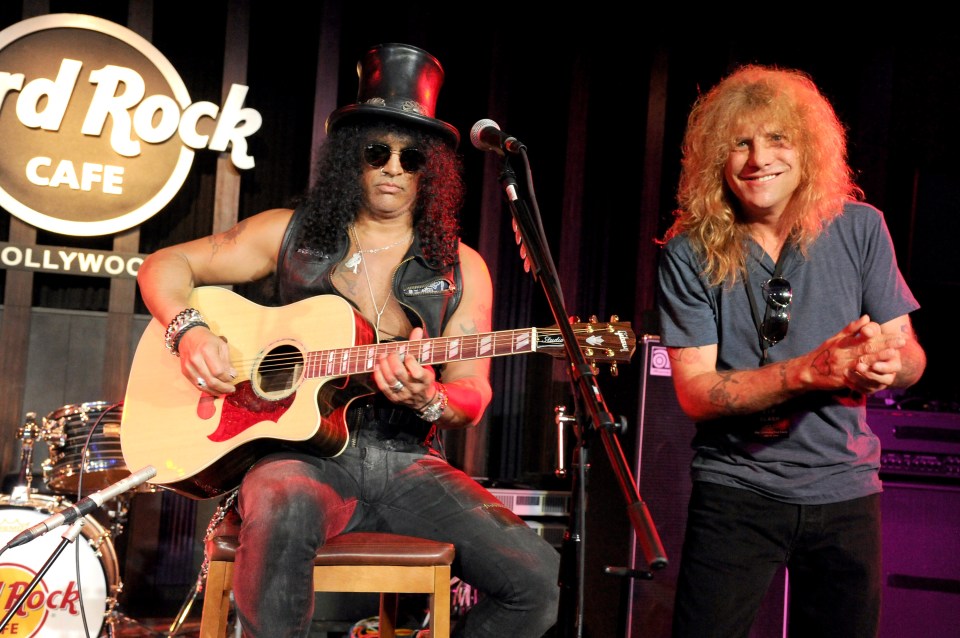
(30, 618)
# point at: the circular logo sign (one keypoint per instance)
(98, 128)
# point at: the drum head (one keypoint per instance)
(52, 607)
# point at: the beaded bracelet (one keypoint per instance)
(434, 410)
(186, 318)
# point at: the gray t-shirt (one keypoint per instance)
(829, 453)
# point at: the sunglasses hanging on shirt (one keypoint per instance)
(777, 296)
(776, 318)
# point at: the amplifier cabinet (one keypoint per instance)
(920, 468)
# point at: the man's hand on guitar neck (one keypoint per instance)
(403, 380)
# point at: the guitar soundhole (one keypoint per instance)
(279, 372)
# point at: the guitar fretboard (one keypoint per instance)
(361, 359)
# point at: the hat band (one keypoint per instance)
(407, 106)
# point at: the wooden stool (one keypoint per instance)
(357, 562)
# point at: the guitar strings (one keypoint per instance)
(360, 353)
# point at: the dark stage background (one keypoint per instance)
(599, 96)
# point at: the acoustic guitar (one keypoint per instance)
(299, 368)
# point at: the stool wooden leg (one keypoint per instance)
(216, 600)
(389, 606)
(440, 604)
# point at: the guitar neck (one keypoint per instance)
(360, 359)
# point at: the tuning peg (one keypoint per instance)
(614, 318)
(614, 370)
(593, 319)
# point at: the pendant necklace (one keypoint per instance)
(354, 262)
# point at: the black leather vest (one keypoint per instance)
(427, 295)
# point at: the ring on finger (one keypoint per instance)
(201, 383)
(397, 386)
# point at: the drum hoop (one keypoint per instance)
(82, 409)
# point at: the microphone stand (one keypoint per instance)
(69, 536)
(584, 380)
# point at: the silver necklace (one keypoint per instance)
(354, 262)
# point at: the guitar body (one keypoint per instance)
(202, 445)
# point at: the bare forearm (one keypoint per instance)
(468, 398)
(913, 361)
(166, 281)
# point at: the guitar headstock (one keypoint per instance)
(600, 342)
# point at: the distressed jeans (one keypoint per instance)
(291, 503)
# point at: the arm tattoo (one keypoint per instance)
(690, 355)
(782, 367)
(469, 327)
(720, 394)
(822, 363)
(226, 237)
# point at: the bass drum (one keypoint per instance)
(53, 607)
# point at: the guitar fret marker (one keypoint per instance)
(523, 341)
(485, 344)
(370, 358)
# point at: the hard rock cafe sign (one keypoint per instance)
(99, 131)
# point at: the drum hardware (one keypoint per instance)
(28, 433)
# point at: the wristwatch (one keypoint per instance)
(434, 410)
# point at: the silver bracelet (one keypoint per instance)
(185, 319)
(432, 411)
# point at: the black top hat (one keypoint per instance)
(401, 82)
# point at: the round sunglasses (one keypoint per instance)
(377, 155)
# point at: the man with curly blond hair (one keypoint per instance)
(782, 308)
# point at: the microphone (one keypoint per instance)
(487, 136)
(82, 508)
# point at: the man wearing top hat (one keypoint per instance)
(380, 229)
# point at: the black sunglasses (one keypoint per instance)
(776, 318)
(377, 155)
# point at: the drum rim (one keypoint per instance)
(82, 408)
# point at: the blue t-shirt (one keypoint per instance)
(829, 453)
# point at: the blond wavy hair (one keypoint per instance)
(755, 95)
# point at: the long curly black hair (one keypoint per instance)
(337, 195)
